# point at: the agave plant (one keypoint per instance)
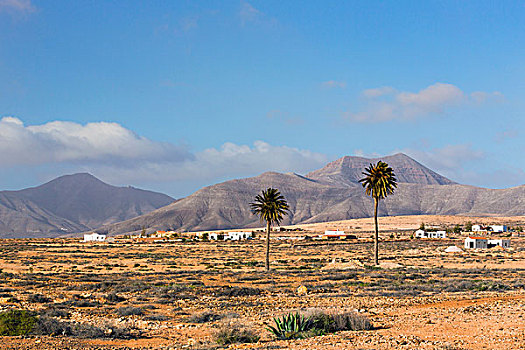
(291, 326)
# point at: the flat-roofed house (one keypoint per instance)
(238, 235)
(334, 234)
(421, 234)
(504, 243)
(499, 228)
(476, 228)
(94, 237)
(476, 242)
(431, 234)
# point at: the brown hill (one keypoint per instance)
(348, 170)
(327, 194)
(72, 203)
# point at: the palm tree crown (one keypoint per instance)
(270, 206)
(379, 180)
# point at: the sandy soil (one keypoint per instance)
(420, 297)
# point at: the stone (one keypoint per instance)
(302, 290)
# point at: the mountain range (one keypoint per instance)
(72, 203)
(80, 202)
(330, 193)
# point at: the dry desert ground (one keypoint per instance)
(180, 295)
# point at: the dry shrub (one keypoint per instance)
(332, 321)
(204, 317)
(129, 311)
(232, 332)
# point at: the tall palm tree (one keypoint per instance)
(270, 206)
(379, 182)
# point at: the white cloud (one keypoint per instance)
(216, 164)
(232, 159)
(119, 156)
(377, 92)
(330, 84)
(248, 13)
(361, 153)
(453, 161)
(480, 97)
(17, 6)
(386, 103)
(61, 141)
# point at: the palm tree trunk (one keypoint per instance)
(267, 263)
(376, 238)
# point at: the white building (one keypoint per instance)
(476, 228)
(499, 228)
(237, 236)
(505, 243)
(231, 236)
(334, 234)
(435, 234)
(94, 237)
(439, 234)
(476, 243)
(215, 236)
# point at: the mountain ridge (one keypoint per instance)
(327, 194)
(72, 203)
(348, 169)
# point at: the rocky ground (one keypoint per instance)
(179, 295)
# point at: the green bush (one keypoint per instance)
(291, 326)
(17, 322)
(317, 322)
(24, 322)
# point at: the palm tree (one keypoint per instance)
(270, 206)
(379, 182)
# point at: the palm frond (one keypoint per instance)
(379, 180)
(270, 206)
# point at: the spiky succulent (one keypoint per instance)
(291, 326)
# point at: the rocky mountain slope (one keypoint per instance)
(72, 203)
(330, 193)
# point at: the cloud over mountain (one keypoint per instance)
(62, 141)
(386, 103)
(118, 154)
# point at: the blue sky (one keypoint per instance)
(176, 95)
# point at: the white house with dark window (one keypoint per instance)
(499, 228)
(238, 236)
(215, 236)
(231, 236)
(433, 234)
(476, 243)
(94, 237)
(504, 243)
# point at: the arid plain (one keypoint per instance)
(162, 295)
